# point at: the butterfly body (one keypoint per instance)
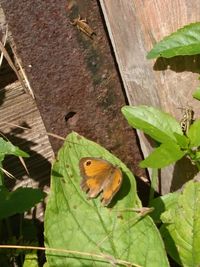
(100, 176)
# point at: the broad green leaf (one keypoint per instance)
(7, 148)
(163, 156)
(159, 125)
(194, 134)
(181, 229)
(162, 204)
(196, 94)
(186, 41)
(18, 201)
(72, 222)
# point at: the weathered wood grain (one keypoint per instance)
(19, 109)
(134, 26)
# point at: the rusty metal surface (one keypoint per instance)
(74, 77)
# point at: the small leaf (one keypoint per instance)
(31, 260)
(196, 94)
(159, 125)
(163, 156)
(186, 41)
(181, 229)
(162, 204)
(197, 155)
(74, 222)
(7, 148)
(18, 201)
(194, 134)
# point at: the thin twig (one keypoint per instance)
(105, 257)
(56, 136)
(4, 136)
(24, 75)
(24, 165)
(15, 125)
(8, 58)
(7, 173)
(4, 43)
(141, 211)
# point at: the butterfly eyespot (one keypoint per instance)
(88, 163)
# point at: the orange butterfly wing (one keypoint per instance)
(100, 175)
(112, 187)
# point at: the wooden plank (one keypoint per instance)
(134, 26)
(19, 108)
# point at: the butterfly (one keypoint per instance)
(100, 176)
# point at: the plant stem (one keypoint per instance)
(198, 165)
(154, 184)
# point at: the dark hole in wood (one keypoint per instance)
(69, 115)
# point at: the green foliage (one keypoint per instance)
(179, 212)
(31, 260)
(182, 140)
(73, 222)
(159, 125)
(194, 134)
(196, 94)
(7, 148)
(181, 227)
(18, 201)
(166, 153)
(164, 129)
(15, 230)
(163, 203)
(186, 41)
